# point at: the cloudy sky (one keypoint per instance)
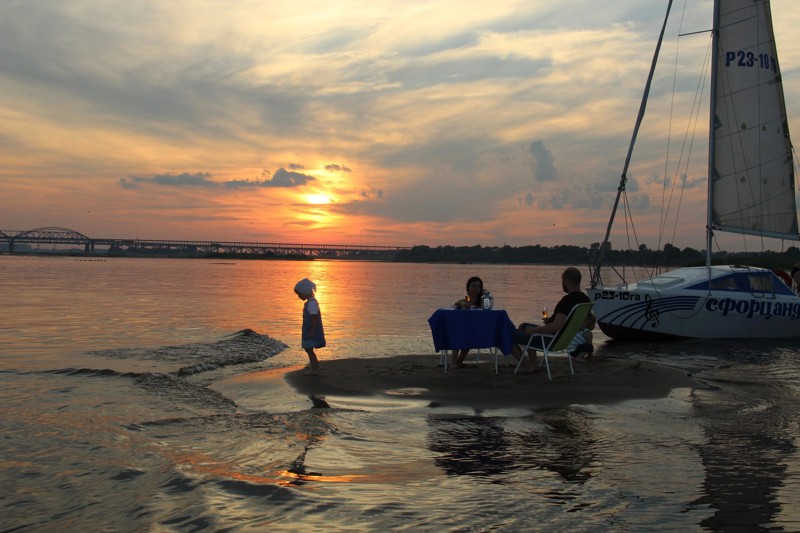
(356, 122)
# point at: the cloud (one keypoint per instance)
(591, 196)
(473, 185)
(372, 193)
(285, 178)
(333, 167)
(684, 181)
(463, 113)
(611, 186)
(179, 180)
(416, 74)
(542, 162)
(282, 178)
(528, 199)
(440, 195)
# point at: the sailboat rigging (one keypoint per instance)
(751, 191)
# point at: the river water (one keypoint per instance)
(132, 401)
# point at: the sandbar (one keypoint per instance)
(606, 380)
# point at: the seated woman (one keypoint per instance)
(471, 300)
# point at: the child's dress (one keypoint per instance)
(311, 307)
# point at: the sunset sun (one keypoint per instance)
(318, 199)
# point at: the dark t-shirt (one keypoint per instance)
(565, 305)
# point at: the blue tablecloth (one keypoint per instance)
(456, 329)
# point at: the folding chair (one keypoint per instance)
(559, 341)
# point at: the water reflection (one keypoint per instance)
(125, 302)
(748, 417)
(745, 460)
(569, 444)
(470, 445)
(559, 441)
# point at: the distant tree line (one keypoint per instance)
(670, 257)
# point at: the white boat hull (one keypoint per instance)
(651, 310)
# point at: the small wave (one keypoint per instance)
(240, 348)
(244, 346)
(99, 372)
(170, 386)
(177, 389)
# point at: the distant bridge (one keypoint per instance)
(65, 236)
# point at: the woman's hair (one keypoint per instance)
(474, 278)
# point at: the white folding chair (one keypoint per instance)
(559, 341)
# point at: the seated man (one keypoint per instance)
(571, 283)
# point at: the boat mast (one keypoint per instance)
(624, 177)
(712, 126)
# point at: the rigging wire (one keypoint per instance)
(664, 204)
(683, 159)
(695, 112)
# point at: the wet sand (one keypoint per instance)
(604, 381)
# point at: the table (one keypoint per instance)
(458, 329)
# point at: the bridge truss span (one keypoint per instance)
(65, 236)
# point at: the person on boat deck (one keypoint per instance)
(571, 284)
(786, 278)
(474, 298)
(796, 277)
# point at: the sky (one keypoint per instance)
(434, 122)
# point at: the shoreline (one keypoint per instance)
(607, 380)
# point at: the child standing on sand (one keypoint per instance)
(313, 336)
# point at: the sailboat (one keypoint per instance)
(751, 191)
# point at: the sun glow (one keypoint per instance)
(317, 199)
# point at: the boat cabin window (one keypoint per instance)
(728, 283)
(664, 281)
(739, 282)
(755, 283)
(760, 283)
(767, 283)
